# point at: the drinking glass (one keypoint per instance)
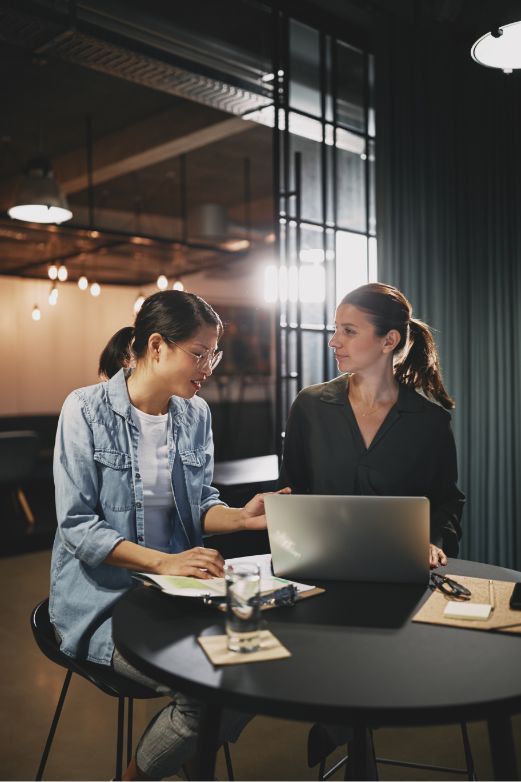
(242, 607)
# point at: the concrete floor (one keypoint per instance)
(85, 741)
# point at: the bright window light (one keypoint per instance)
(271, 287)
(352, 267)
(287, 283)
(312, 284)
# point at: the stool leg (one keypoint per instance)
(22, 499)
(54, 725)
(130, 719)
(469, 760)
(119, 740)
(228, 759)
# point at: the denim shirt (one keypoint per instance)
(99, 502)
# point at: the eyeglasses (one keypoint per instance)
(210, 358)
(450, 587)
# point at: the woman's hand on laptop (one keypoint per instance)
(253, 516)
(437, 556)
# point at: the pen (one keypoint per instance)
(491, 594)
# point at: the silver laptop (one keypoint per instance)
(346, 538)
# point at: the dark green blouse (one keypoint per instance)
(412, 454)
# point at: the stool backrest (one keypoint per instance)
(18, 454)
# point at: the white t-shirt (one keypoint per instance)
(155, 473)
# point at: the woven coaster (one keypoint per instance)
(215, 647)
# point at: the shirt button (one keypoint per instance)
(138, 476)
(138, 504)
(140, 538)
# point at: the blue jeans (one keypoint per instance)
(171, 736)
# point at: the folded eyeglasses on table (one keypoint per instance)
(449, 587)
(285, 596)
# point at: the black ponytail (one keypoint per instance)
(117, 353)
(420, 366)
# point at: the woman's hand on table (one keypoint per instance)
(196, 562)
(253, 516)
(437, 556)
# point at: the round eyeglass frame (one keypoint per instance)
(210, 358)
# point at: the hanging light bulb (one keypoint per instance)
(95, 289)
(138, 302)
(53, 296)
(178, 286)
(36, 314)
(52, 271)
(62, 273)
(83, 283)
(162, 282)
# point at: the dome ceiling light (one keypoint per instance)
(39, 198)
(500, 48)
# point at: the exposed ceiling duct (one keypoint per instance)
(109, 44)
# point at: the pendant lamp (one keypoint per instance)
(39, 198)
(500, 48)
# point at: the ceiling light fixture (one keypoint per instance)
(83, 283)
(178, 286)
(62, 273)
(52, 271)
(39, 198)
(95, 289)
(162, 282)
(138, 302)
(36, 314)
(500, 48)
(53, 296)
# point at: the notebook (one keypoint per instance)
(349, 538)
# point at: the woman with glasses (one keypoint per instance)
(133, 469)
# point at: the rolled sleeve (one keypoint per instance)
(447, 500)
(84, 533)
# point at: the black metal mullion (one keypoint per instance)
(276, 227)
(334, 92)
(286, 179)
(332, 123)
(367, 178)
(319, 224)
(323, 183)
(298, 238)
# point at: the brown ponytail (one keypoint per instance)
(417, 364)
(420, 366)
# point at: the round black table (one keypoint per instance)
(357, 659)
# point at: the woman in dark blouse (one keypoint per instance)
(369, 431)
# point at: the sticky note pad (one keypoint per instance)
(456, 610)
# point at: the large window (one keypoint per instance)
(324, 150)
